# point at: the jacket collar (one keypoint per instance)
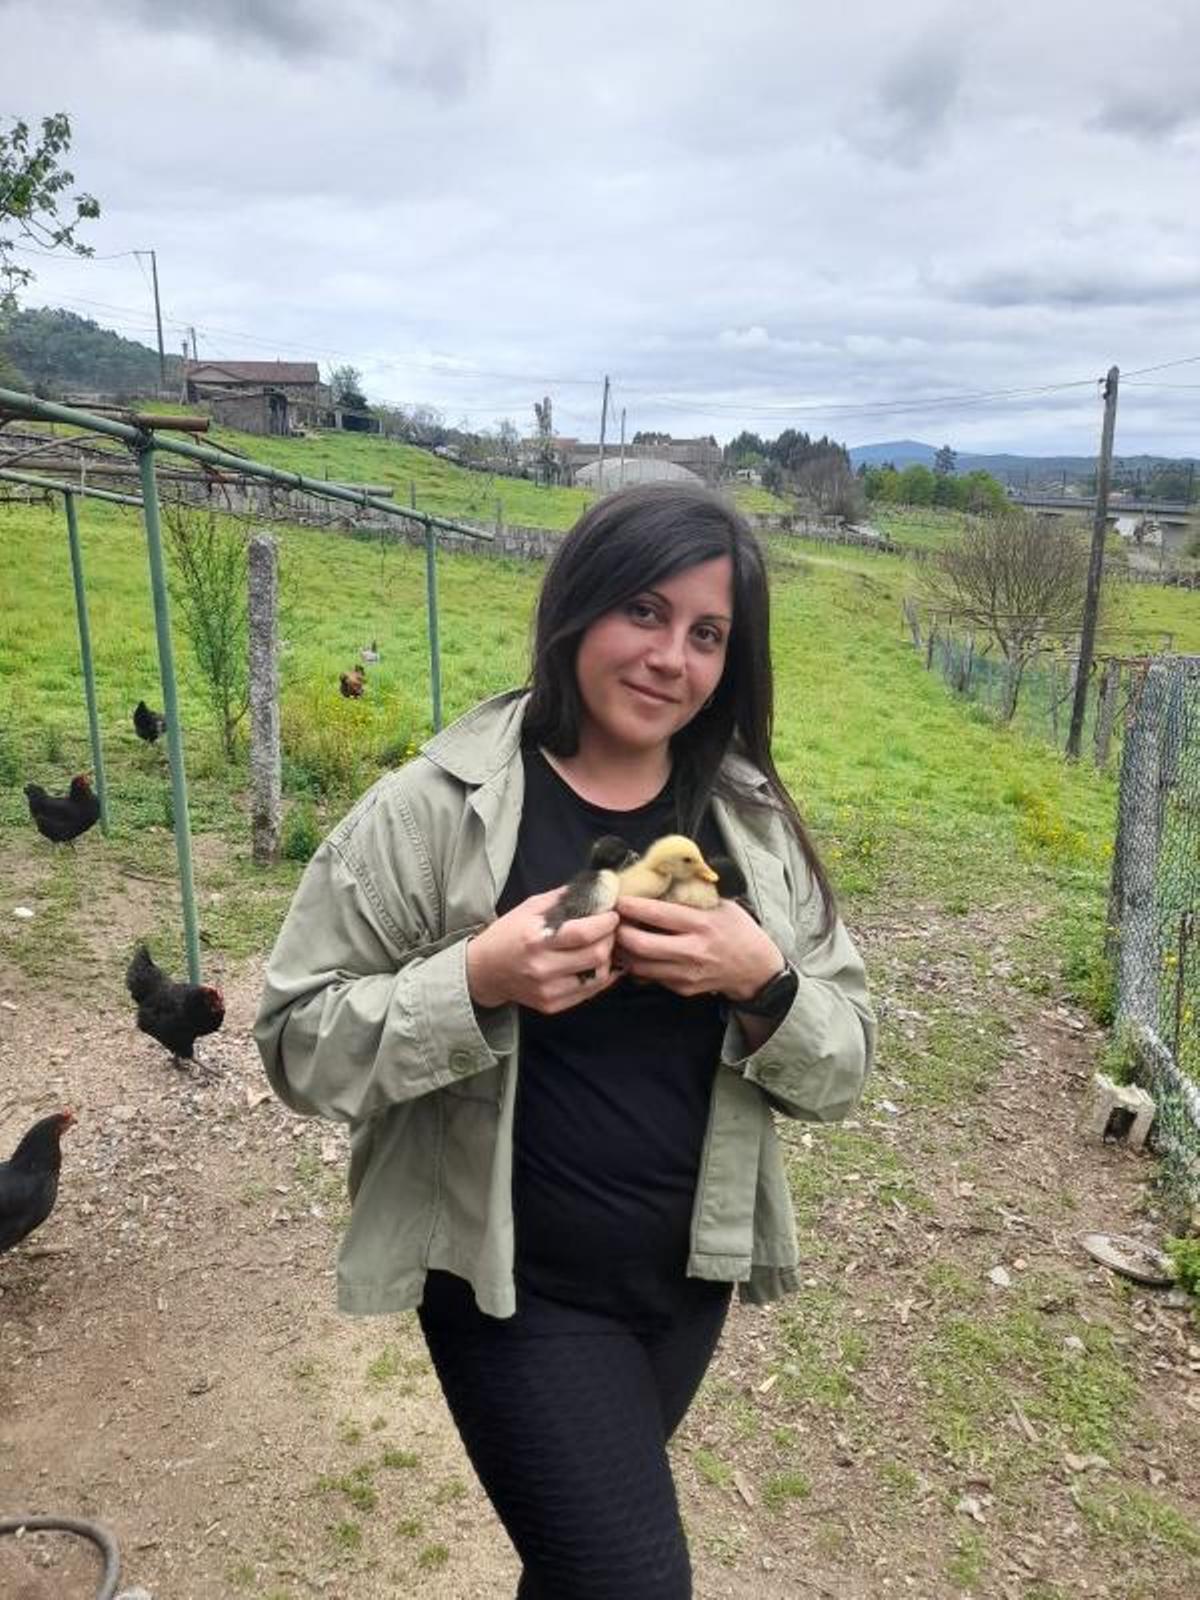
(482, 742)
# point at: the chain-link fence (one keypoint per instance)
(1155, 907)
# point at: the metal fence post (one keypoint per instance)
(431, 604)
(85, 652)
(166, 667)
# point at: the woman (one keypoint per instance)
(564, 1169)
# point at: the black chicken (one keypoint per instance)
(176, 1014)
(62, 818)
(29, 1179)
(148, 724)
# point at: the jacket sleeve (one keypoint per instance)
(814, 1064)
(365, 1000)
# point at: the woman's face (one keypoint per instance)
(645, 669)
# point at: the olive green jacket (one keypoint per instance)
(366, 1018)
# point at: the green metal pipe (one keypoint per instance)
(166, 667)
(85, 653)
(24, 405)
(431, 611)
(34, 482)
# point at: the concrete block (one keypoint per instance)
(1117, 1111)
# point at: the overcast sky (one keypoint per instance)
(746, 214)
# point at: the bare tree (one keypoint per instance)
(828, 481)
(508, 442)
(1015, 579)
(545, 436)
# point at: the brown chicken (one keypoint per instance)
(353, 683)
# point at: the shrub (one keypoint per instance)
(301, 833)
(325, 739)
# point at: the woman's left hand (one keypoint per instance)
(723, 951)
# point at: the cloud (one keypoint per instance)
(1150, 116)
(1107, 283)
(908, 120)
(437, 45)
(291, 26)
(755, 338)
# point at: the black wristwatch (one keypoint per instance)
(775, 997)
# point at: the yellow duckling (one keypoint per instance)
(705, 894)
(670, 863)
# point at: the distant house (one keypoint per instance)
(252, 411)
(307, 401)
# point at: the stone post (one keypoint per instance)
(265, 767)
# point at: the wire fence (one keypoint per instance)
(1154, 913)
(1037, 693)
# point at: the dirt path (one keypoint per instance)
(171, 1362)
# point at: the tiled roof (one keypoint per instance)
(257, 371)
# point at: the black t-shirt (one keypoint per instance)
(613, 1094)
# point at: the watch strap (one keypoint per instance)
(775, 997)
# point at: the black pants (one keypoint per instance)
(565, 1415)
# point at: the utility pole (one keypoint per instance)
(1091, 605)
(603, 426)
(162, 360)
(195, 356)
(622, 446)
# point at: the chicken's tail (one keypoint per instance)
(142, 977)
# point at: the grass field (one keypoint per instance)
(896, 776)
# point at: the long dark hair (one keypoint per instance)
(621, 546)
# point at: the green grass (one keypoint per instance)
(906, 790)
(712, 1469)
(977, 1364)
(1141, 1521)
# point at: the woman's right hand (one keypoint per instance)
(512, 960)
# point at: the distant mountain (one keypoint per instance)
(56, 352)
(1010, 468)
(898, 452)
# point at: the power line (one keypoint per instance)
(70, 255)
(1183, 361)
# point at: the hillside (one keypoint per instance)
(57, 351)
